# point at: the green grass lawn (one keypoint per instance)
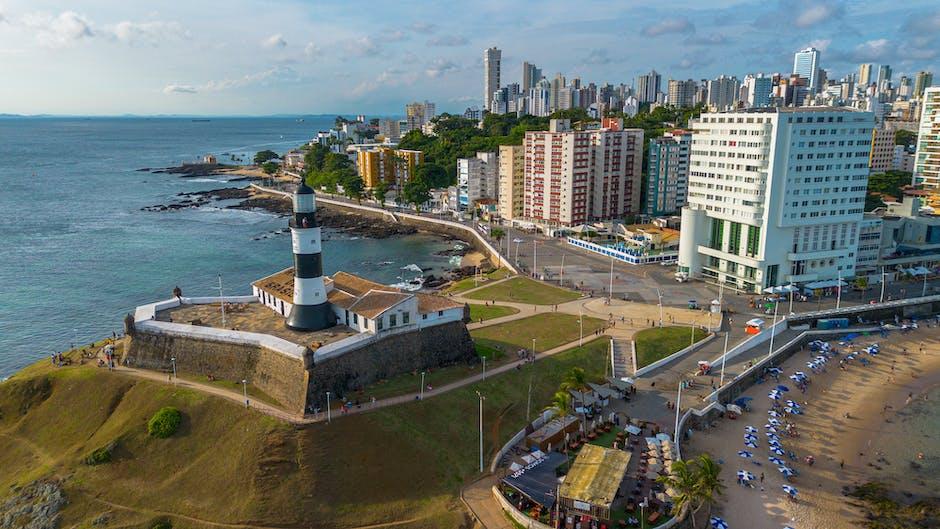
(550, 329)
(659, 342)
(254, 392)
(525, 290)
(469, 282)
(489, 312)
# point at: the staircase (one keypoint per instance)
(622, 358)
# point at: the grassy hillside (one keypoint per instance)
(232, 467)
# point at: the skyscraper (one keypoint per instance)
(779, 217)
(668, 173)
(723, 92)
(491, 72)
(682, 93)
(531, 75)
(864, 74)
(758, 89)
(927, 158)
(647, 87)
(884, 77)
(806, 65)
(921, 82)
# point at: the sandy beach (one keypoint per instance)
(853, 424)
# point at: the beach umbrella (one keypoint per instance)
(750, 445)
(745, 454)
(775, 370)
(795, 378)
(800, 374)
(773, 413)
(790, 490)
(793, 403)
(787, 527)
(718, 523)
(750, 429)
(776, 460)
(794, 411)
(781, 387)
(745, 475)
(772, 437)
(775, 422)
(770, 428)
(774, 395)
(786, 471)
(778, 451)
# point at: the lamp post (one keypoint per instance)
(924, 291)
(482, 398)
(773, 328)
(610, 289)
(484, 368)
(839, 290)
(421, 389)
(222, 301)
(245, 388)
(561, 280)
(659, 294)
(533, 349)
(678, 406)
(173, 361)
(791, 299)
(528, 402)
(721, 379)
(329, 416)
(882, 300)
(535, 258)
(580, 328)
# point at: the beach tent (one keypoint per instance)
(745, 454)
(783, 289)
(733, 408)
(718, 523)
(790, 490)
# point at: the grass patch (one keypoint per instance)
(659, 342)
(254, 392)
(525, 290)
(468, 283)
(164, 423)
(102, 455)
(488, 312)
(549, 329)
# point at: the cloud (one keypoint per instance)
(814, 13)
(448, 40)
(598, 56)
(276, 72)
(820, 44)
(387, 79)
(802, 14)
(923, 23)
(423, 27)
(440, 67)
(395, 36)
(274, 41)
(311, 50)
(464, 99)
(60, 31)
(363, 47)
(689, 62)
(179, 89)
(669, 25)
(713, 39)
(147, 33)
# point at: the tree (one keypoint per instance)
(313, 159)
(433, 175)
(415, 192)
(353, 187)
(379, 192)
(905, 138)
(497, 234)
(708, 482)
(561, 403)
(264, 156)
(269, 167)
(575, 379)
(683, 481)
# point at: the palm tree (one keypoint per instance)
(708, 482)
(561, 403)
(576, 379)
(683, 480)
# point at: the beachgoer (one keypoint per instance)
(762, 478)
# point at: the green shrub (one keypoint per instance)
(165, 422)
(161, 523)
(101, 455)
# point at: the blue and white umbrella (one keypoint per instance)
(750, 437)
(745, 475)
(750, 429)
(718, 523)
(790, 490)
(773, 413)
(793, 404)
(776, 460)
(750, 445)
(775, 395)
(775, 370)
(783, 388)
(795, 378)
(773, 439)
(775, 422)
(794, 411)
(745, 454)
(778, 451)
(771, 429)
(786, 471)
(800, 374)
(787, 527)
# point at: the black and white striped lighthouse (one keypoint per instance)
(311, 311)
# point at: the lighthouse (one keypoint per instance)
(311, 311)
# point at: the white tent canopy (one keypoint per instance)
(826, 283)
(783, 289)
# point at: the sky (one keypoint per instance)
(252, 57)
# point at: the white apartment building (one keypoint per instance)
(927, 157)
(511, 181)
(775, 196)
(480, 176)
(806, 65)
(491, 73)
(578, 176)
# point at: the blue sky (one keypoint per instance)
(280, 56)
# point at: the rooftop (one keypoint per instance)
(595, 475)
(252, 317)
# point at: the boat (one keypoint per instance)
(201, 120)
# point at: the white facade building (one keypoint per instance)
(927, 158)
(775, 196)
(806, 65)
(480, 176)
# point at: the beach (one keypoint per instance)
(861, 424)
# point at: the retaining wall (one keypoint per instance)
(674, 356)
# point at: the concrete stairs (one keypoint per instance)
(622, 358)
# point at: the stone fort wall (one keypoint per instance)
(278, 375)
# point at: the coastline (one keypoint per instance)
(845, 426)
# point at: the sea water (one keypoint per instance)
(77, 253)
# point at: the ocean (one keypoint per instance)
(78, 253)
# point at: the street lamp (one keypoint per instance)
(329, 417)
(610, 289)
(245, 388)
(924, 291)
(533, 349)
(484, 368)
(421, 389)
(173, 361)
(724, 357)
(659, 293)
(839, 290)
(678, 406)
(561, 280)
(773, 329)
(580, 329)
(882, 300)
(222, 301)
(482, 398)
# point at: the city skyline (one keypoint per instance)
(287, 57)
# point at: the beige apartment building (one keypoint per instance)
(511, 181)
(881, 157)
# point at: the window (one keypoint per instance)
(405, 318)
(378, 323)
(717, 234)
(392, 320)
(440, 313)
(355, 319)
(753, 240)
(734, 244)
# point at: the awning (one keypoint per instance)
(755, 322)
(537, 481)
(783, 289)
(826, 283)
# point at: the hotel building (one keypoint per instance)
(927, 158)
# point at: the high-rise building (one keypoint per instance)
(881, 156)
(758, 89)
(806, 65)
(511, 181)
(384, 164)
(480, 174)
(417, 114)
(682, 93)
(723, 92)
(864, 74)
(921, 82)
(491, 72)
(667, 173)
(884, 78)
(539, 98)
(647, 87)
(927, 157)
(531, 75)
(578, 176)
(558, 84)
(767, 204)
(390, 130)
